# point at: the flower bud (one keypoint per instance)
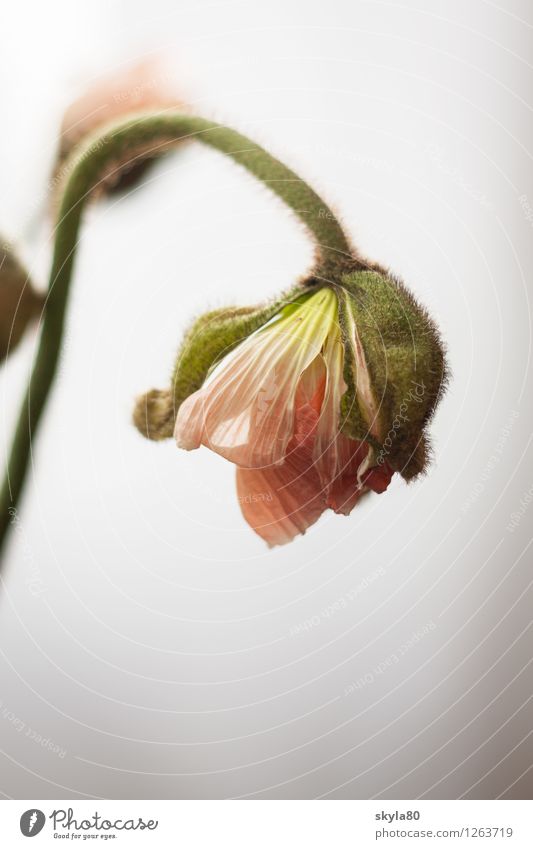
(317, 398)
(20, 304)
(141, 88)
(154, 414)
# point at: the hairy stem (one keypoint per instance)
(150, 134)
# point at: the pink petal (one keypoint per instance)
(308, 403)
(245, 411)
(379, 477)
(352, 482)
(280, 502)
(346, 489)
(283, 500)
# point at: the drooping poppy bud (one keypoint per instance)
(20, 304)
(317, 399)
(139, 89)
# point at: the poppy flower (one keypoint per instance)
(272, 407)
(317, 399)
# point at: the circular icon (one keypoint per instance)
(32, 822)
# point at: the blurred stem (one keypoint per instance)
(152, 133)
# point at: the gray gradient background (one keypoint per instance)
(144, 629)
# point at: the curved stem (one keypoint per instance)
(152, 134)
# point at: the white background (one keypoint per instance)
(150, 644)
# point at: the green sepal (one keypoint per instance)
(405, 361)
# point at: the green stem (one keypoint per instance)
(152, 134)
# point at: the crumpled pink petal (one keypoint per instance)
(281, 501)
(245, 411)
(352, 482)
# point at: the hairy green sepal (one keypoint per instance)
(404, 357)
